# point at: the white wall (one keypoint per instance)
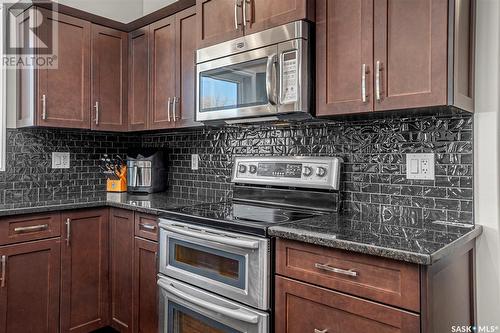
(487, 167)
(153, 5)
(120, 10)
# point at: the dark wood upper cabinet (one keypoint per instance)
(265, 14)
(344, 56)
(109, 79)
(184, 111)
(138, 83)
(218, 21)
(57, 97)
(84, 275)
(145, 288)
(411, 53)
(163, 63)
(29, 294)
(121, 240)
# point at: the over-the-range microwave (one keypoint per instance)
(264, 76)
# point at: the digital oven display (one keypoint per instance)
(287, 170)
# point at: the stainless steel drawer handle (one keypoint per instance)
(238, 314)
(169, 102)
(147, 226)
(33, 228)
(174, 108)
(96, 106)
(236, 21)
(378, 69)
(4, 268)
(364, 72)
(68, 231)
(44, 107)
(329, 268)
(241, 243)
(320, 331)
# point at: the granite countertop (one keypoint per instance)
(154, 204)
(423, 244)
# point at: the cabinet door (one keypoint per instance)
(145, 288)
(411, 50)
(264, 14)
(303, 308)
(29, 293)
(64, 93)
(344, 56)
(109, 79)
(163, 80)
(121, 259)
(84, 274)
(138, 86)
(218, 21)
(184, 111)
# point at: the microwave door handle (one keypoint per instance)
(231, 313)
(271, 93)
(241, 243)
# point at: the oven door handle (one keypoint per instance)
(241, 243)
(238, 314)
(271, 92)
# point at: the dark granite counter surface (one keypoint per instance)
(424, 243)
(151, 204)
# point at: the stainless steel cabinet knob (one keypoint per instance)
(307, 171)
(320, 172)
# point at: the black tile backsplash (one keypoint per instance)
(374, 185)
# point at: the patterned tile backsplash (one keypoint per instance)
(374, 185)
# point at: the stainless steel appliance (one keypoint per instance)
(215, 258)
(147, 171)
(259, 77)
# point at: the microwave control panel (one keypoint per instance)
(289, 79)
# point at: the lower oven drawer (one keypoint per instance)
(232, 265)
(186, 309)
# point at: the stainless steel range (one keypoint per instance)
(216, 258)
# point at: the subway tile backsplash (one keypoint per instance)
(374, 185)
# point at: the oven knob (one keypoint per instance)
(321, 172)
(307, 171)
(242, 168)
(253, 169)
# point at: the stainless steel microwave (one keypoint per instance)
(258, 77)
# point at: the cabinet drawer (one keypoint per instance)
(24, 228)
(305, 308)
(379, 279)
(146, 226)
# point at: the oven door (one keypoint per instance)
(187, 309)
(238, 86)
(232, 265)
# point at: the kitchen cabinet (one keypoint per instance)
(163, 62)
(378, 55)
(121, 240)
(138, 83)
(322, 289)
(109, 79)
(56, 97)
(145, 289)
(23, 228)
(84, 273)
(223, 20)
(29, 286)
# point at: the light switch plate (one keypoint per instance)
(195, 158)
(420, 166)
(60, 160)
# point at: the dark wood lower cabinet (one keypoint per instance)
(301, 307)
(145, 288)
(29, 293)
(84, 274)
(121, 242)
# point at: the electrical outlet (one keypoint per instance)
(60, 160)
(195, 158)
(420, 166)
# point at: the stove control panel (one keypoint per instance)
(304, 172)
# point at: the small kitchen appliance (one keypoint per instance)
(215, 259)
(147, 171)
(264, 76)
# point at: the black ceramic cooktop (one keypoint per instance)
(239, 216)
